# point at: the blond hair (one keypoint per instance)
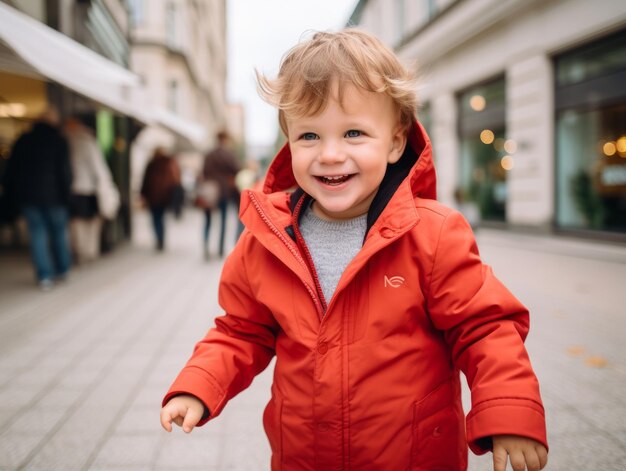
(309, 71)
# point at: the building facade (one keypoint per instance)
(178, 48)
(524, 102)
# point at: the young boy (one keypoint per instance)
(369, 292)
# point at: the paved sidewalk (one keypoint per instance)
(83, 367)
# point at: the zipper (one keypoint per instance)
(309, 259)
(294, 251)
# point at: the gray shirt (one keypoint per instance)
(332, 244)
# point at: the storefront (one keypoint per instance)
(590, 106)
(40, 67)
(483, 156)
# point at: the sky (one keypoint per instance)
(259, 33)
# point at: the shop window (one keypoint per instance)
(484, 156)
(590, 103)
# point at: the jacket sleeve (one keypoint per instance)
(238, 348)
(485, 327)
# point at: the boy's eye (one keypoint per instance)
(353, 133)
(308, 136)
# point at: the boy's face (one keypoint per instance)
(340, 155)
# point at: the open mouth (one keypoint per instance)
(335, 180)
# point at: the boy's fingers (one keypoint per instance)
(518, 463)
(192, 417)
(532, 460)
(499, 459)
(166, 420)
(179, 421)
(542, 453)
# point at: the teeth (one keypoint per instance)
(334, 180)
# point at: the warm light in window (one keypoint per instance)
(621, 145)
(9, 110)
(486, 136)
(477, 102)
(609, 148)
(510, 146)
(507, 162)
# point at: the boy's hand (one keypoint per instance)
(185, 411)
(524, 453)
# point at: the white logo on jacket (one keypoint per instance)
(394, 281)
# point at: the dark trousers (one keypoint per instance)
(222, 205)
(158, 224)
(49, 244)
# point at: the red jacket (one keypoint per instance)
(372, 383)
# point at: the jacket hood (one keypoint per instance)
(416, 163)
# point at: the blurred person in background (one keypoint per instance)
(88, 168)
(160, 180)
(38, 179)
(220, 165)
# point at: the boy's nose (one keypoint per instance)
(331, 152)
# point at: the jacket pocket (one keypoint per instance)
(272, 423)
(438, 431)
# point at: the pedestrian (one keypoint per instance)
(38, 179)
(89, 169)
(161, 177)
(221, 167)
(370, 293)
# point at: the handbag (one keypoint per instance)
(108, 198)
(207, 194)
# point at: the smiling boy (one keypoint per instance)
(370, 293)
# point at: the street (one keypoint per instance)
(83, 367)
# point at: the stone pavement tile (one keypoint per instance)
(61, 395)
(244, 452)
(127, 451)
(608, 417)
(18, 396)
(14, 447)
(585, 451)
(181, 451)
(140, 420)
(562, 420)
(36, 419)
(480, 463)
(148, 397)
(63, 452)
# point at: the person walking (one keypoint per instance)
(39, 179)
(160, 180)
(370, 293)
(220, 166)
(89, 169)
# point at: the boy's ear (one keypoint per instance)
(398, 144)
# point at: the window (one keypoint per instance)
(590, 102)
(170, 25)
(136, 11)
(485, 154)
(172, 96)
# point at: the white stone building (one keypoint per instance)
(178, 48)
(525, 103)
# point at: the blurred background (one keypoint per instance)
(525, 104)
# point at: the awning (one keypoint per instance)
(41, 50)
(190, 131)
